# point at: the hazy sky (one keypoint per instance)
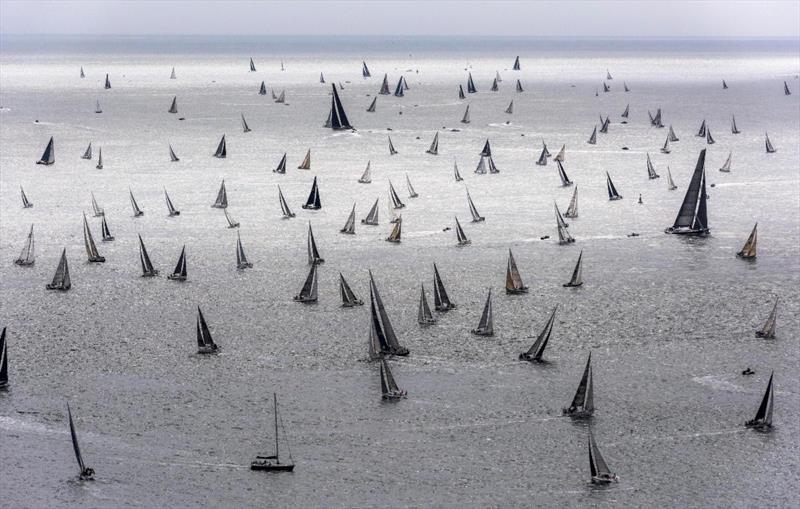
(678, 18)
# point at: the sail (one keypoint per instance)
(371, 108)
(252, 65)
(583, 402)
(577, 273)
(542, 161)
(606, 88)
(536, 350)
(465, 118)
(313, 253)
(486, 324)
(750, 247)
(734, 129)
(87, 154)
(763, 418)
(651, 171)
(144, 258)
(476, 217)
(597, 465)
(82, 74)
(495, 87)
(399, 91)
(99, 159)
(372, 216)
(222, 149)
(665, 149)
(492, 168)
(204, 340)
(481, 168)
(366, 177)
(27, 256)
(604, 127)
(701, 133)
(709, 138)
(349, 298)
(471, 85)
(172, 157)
(285, 210)
(25, 203)
(461, 92)
(424, 315)
(411, 192)
(516, 64)
(174, 107)
(108, 83)
(397, 230)
(180, 268)
(513, 279)
(767, 143)
(593, 137)
(281, 98)
(385, 85)
(241, 259)
(350, 225)
(726, 168)
(172, 74)
(308, 293)
(572, 210)
(232, 223)
(612, 190)
(75, 446)
(245, 127)
(671, 134)
(657, 119)
(519, 86)
(767, 331)
(786, 89)
(560, 156)
(692, 217)
(389, 387)
(321, 78)
(281, 168)
(365, 70)
(137, 212)
(564, 236)
(434, 149)
(392, 151)
(441, 300)
(61, 279)
(460, 235)
(389, 343)
(222, 197)
(49, 155)
(626, 112)
(3, 359)
(313, 201)
(338, 116)
(396, 203)
(565, 181)
(670, 183)
(724, 85)
(497, 76)
(107, 237)
(456, 173)
(88, 242)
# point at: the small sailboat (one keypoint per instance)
(565, 181)
(285, 210)
(172, 74)
(350, 225)
(281, 98)
(786, 89)
(272, 463)
(535, 352)
(389, 389)
(252, 65)
(600, 473)
(564, 236)
(97, 108)
(382, 338)
(709, 138)
(222, 149)
(748, 252)
(767, 331)
(612, 191)
(61, 280)
(308, 293)
(245, 127)
(411, 192)
(514, 283)
(349, 298)
(338, 116)
(232, 223)
(701, 133)
(385, 85)
(626, 112)
(671, 134)
(606, 88)
(481, 168)
(49, 155)
(670, 183)
(82, 74)
(25, 203)
(99, 158)
(456, 173)
(461, 94)
(147, 266)
(582, 405)
(768, 144)
(365, 70)
(476, 217)
(495, 87)
(693, 215)
(87, 154)
(465, 118)
(657, 119)
(222, 197)
(396, 203)
(313, 253)
(372, 105)
(441, 301)
(763, 419)
(542, 161)
(366, 177)
(179, 274)
(86, 473)
(651, 171)
(3, 360)
(665, 149)
(399, 91)
(726, 168)
(108, 82)
(460, 235)
(88, 242)
(424, 315)
(434, 149)
(560, 156)
(107, 237)
(471, 85)
(372, 216)
(487, 149)
(313, 202)
(241, 259)
(734, 129)
(724, 85)
(516, 66)
(577, 274)
(625, 86)
(604, 125)
(572, 210)
(397, 230)
(281, 168)
(137, 212)
(205, 343)
(519, 86)
(173, 108)
(27, 256)
(392, 151)
(486, 324)
(593, 137)
(321, 78)
(172, 156)
(171, 210)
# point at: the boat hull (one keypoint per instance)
(572, 285)
(603, 479)
(304, 300)
(271, 467)
(479, 332)
(700, 232)
(311, 207)
(176, 277)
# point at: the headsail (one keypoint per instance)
(349, 298)
(763, 418)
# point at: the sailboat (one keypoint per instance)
(366, 177)
(87, 154)
(252, 65)
(313, 253)
(582, 405)
(441, 301)
(179, 274)
(434, 150)
(726, 168)
(241, 259)
(86, 473)
(397, 229)
(763, 419)
(107, 237)
(461, 92)
(49, 155)
(222, 149)
(172, 75)
(285, 210)
(786, 89)
(768, 144)
(205, 343)
(625, 86)
(232, 223)
(3, 360)
(671, 134)
(99, 158)
(486, 324)
(245, 127)
(604, 125)
(338, 116)
(27, 257)
(61, 280)
(577, 274)
(495, 87)
(471, 85)
(396, 203)
(670, 183)
(465, 118)
(173, 108)
(734, 129)
(222, 197)
(170, 207)
(693, 215)
(626, 112)
(665, 149)
(411, 192)
(724, 85)
(389, 389)
(606, 88)
(372, 216)
(565, 181)
(382, 339)
(460, 235)
(372, 105)
(514, 283)
(399, 91)
(350, 225)
(612, 191)
(349, 298)
(542, 161)
(424, 315)
(564, 236)
(600, 473)
(651, 171)
(593, 137)
(172, 157)
(560, 156)
(481, 168)
(767, 331)
(709, 138)
(272, 463)
(137, 212)
(385, 86)
(572, 210)
(147, 266)
(321, 78)
(281, 168)
(82, 74)
(97, 108)
(365, 70)
(308, 293)
(392, 151)
(456, 173)
(313, 203)
(534, 353)
(25, 203)
(657, 119)
(748, 252)
(281, 98)
(701, 133)
(88, 242)
(516, 64)
(476, 217)
(108, 82)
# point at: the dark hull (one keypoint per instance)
(687, 231)
(311, 207)
(577, 414)
(572, 285)
(176, 277)
(517, 291)
(304, 300)
(97, 259)
(154, 273)
(59, 288)
(478, 332)
(243, 266)
(271, 467)
(479, 220)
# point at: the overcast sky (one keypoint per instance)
(619, 18)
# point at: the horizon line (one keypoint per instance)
(439, 36)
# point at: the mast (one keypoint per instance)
(749, 249)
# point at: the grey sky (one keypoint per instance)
(712, 18)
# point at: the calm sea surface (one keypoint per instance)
(669, 321)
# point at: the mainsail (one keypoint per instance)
(593, 137)
(651, 171)
(514, 283)
(108, 83)
(372, 216)
(349, 298)
(476, 217)
(313, 202)
(49, 155)
(565, 181)
(767, 331)
(107, 237)
(252, 65)
(87, 154)
(174, 107)
(61, 280)
(399, 91)
(144, 258)
(137, 212)
(564, 236)
(763, 418)
(281, 168)
(583, 403)
(441, 301)
(577, 274)
(600, 473)
(516, 64)
(671, 134)
(313, 253)
(88, 242)
(734, 129)
(205, 343)
(25, 203)
(179, 274)
(383, 340)
(222, 197)
(87, 473)
(693, 217)
(308, 293)
(612, 190)
(350, 225)
(285, 210)
(170, 207)
(486, 324)
(470, 85)
(372, 105)
(222, 149)
(366, 177)
(424, 315)
(519, 86)
(670, 183)
(392, 151)
(460, 235)
(172, 157)
(241, 259)
(534, 353)
(434, 149)
(385, 86)
(749, 249)
(726, 168)
(245, 127)
(411, 192)
(572, 210)
(27, 256)
(365, 70)
(767, 143)
(456, 173)
(396, 203)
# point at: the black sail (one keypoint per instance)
(49, 155)
(338, 116)
(393, 346)
(535, 352)
(692, 217)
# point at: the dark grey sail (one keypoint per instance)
(572, 210)
(349, 298)
(665, 148)
(3, 359)
(88, 241)
(542, 161)
(670, 183)
(389, 389)
(441, 301)
(399, 91)
(564, 236)
(651, 171)
(657, 119)
(392, 151)
(49, 155)
(313, 202)
(232, 223)
(593, 137)
(465, 118)
(577, 274)
(179, 274)
(108, 83)
(338, 116)
(612, 190)
(61, 280)
(86, 473)
(172, 156)
(724, 85)
(285, 210)
(396, 203)
(471, 85)
(321, 78)
(495, 86)
(272, 462)
(372, 105)
(598, 469)
(763, 419)
(171, 210)
(768, 144)
(514, 283)
(434, 149)
(562, 174)
(424, 315)
(535, 352)
(750, 248)
(583, 402)
(767, 331)
(205, 343)
(734, 129)
(245, 127)
(516, 64)
(137, 212)
(604, 126)
(519, 86)
(107, 237)
(385, 86)
(222, 149)
(456, 173)
(222, 197)
(709, 138)
(476, 217)
(308, 293)
(492, 167)
(87, 154)
(486, 324)
(350, 225)
(365, 70)
(726, 168)
(281, 168)
(606, 88)
(26, 204)
(786, 89)
(147, 266)
(313, 253)
(252, 65)
(82, 74)
(241, 259)
(372, 216)
(672, 136)
(693, 216)
(461, 237)
(481, 168)
(626, 112)
(387, 343)
(461, 94)
(701, 133)
(366, 177)
(27, 256)
(174, 106)
(99, 158)
(396, 232)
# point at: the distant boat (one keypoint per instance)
(625, 86)
(786, 89)
(582, 405)
(108, 83)
(565, 181)
(172, 156)
(281, 168)
(173, 108)
(49, 155)
(497, 77)
(392, 151)
(701, 133)
(492, 168)
(350, 225)
(606, 88)
(671, 135)
(542, 161)
(61, 280)
(767, 331)
(313, 202)
(252, 65)
(612, 191)
(519, 86)
(726, 168)
(385, 86)
(172, 75)
(282, 68)
(651, 171)
(456, 173)
(748, 252)
(411, 192)
(461, 92)
(572, 210)
(366, 177)
(670, 183)
(734, 129)
(232, 223)
(626, 112)
(365, 70)
(272, 463)
(441, 300)
(486, 324)
(179, 274)
(657, 119)
(399, 91)
(665, 149)
(107, 237)
(3, 360)
(349, 298)
(693, 215)
(434, 149)
(471, 85)
(495, 87)
(372, 105)
(397, 230)
(481, 168)
(593, 137)
(308, 293)
(600, 473)
(460, 235)
(577, 274)
(82, 74)
(382, 338)
(144, 258)
(222, 149)
(205, 343)
(560, 156)
(86, 473)
(389, 389)
(99, 158)
(605, 124)
(763, 419)
(27, 256)
(97, 108)
(608, 75)
(709, 138)
(564, 236)
(137, 212)
(313, 253)
(486, 151)
(535, 352)
(222, 197)
(245, 127)
(321, 78)
(372, 216)
(476, 217)
(514, 283)
(424, 315)
(281, 98)
(396, 203)
(87, 154)
(88, 242)
(285, 210)
(241, 259)
(724, 85)
(516, 64)
(767, 143)
(25, 203)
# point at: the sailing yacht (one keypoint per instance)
(144, 258)
(88, 242)
(763, 419)
(748, 252)
(701, 133)
(598, 468)
(285, 210)
(612, 191)
(670, 183)
(313, 253)
(337, 115)
(252, 65)
(365, 70)
(768, 144)
(222, 149)
(245, 127)
(313, 202)
(441, 300)
(173, 107)
(476, 217)
(572, 210)
(786, 89)
(372, 216)
(709, 138)
(241, 259)
(172, 74)
(137, 212)
(665, 149)
(734, 129)
(205, 343)
(564, 236)
(582, 405)
(389, 389)
(460, 235)
(461, 94)
(281, 168)
(519, 86)
(434, 149)
(222, 197)
(565, 181)
(82, 74)
(179, 274)
(516, 66)
(262, 90)
(107, 237)
(172, 157)
(671, 134)
(108, 83)
(306, 163)
(382, 338)
(465, 118)
(49, 155)
(385, 85)
(424, 315)
(97, 108)
(25, 203)
(27, 256)
(514, 284)
(471, 85)
(232, 223)
(651, 171)
(61, 280)
(486, 324)
(87, 154)
(726, 168)
(394, 236)
(411, 192)
(366, 177)
(171, 210)
(350, 225)
(396, 203)
(86, 473)
(272, 462)
(349, 298)
(99, 158)
(542, 161)
(577, 274)
(371, 108)
(456, 173)
(392, 150)
(767, 331)
(724, 85)
(693, 215)
(593, 137)
(399, 91)
(308, 293)
(535, 352)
